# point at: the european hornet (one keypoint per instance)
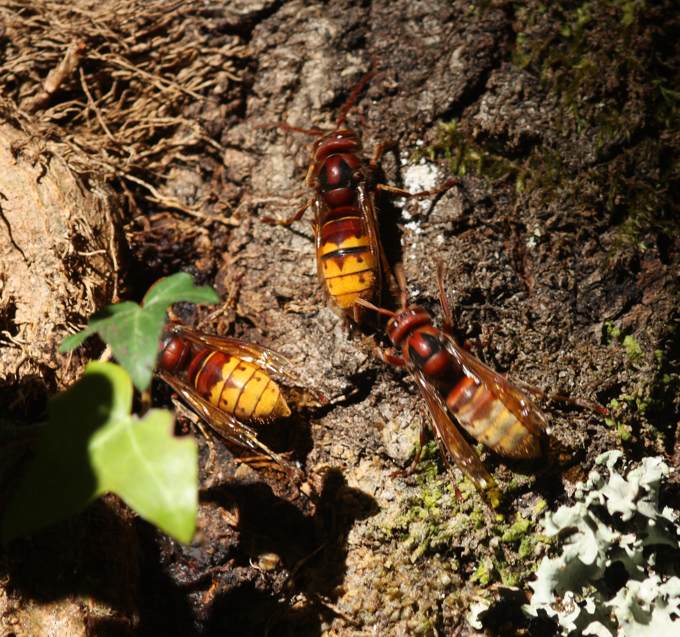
(455, 383)
(350, 260)
(227, 382)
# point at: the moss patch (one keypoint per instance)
(612, 66)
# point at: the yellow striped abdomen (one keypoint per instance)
(347, 262)
(488, 420)
(236, 387)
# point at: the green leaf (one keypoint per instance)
(133, 331)
(92, 445)
(133, 335)
(75, 340)
(175, 288)
(154, 472)
(98, 322)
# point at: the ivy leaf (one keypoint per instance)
(133, 331)
(153, 471)
(75, 340)
(175, 288)
(92, 445)
(133, 335)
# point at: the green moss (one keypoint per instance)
(430, 451)
(640, 402)
(508, 577)
(483, 573)
(624, 433)
(467, 489)
(464, 157)
(438, 524)
(610, 332)
(632, 347)
(540, 506)
(431, 497)
(643, 404)
(477, 519)
(426, 523)
(617, 408)
(517, 530)
(632, 410)
(667, 379)
(606, 63)
(601, 61)
(419, 551)
(519, 482)
(426, 628)
(526, 547)
(660, 396)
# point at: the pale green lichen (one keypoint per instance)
(615, 525)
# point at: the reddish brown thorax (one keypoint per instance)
(421, 344)
(338, 171)
(341, 141)
(400, 326)
(175, 353)
(338, 168)
(427, 352)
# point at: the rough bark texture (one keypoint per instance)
(561, 253)
(59, 253)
